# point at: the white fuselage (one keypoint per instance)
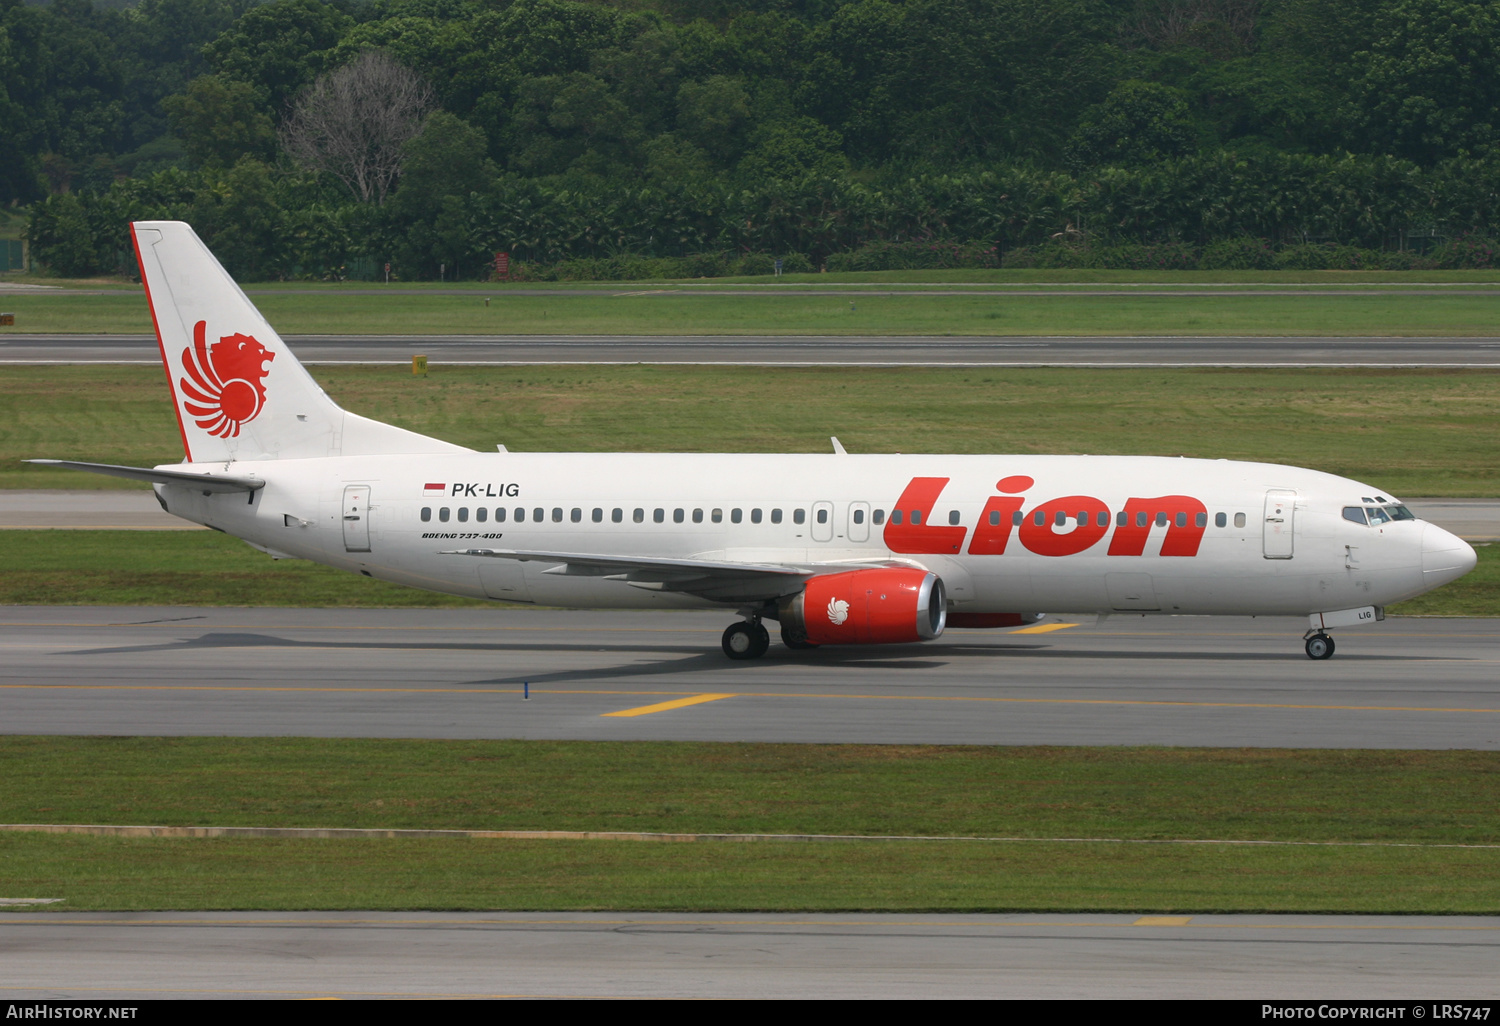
(1250, 538)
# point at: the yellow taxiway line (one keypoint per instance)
(1044, 628)
(647, 710)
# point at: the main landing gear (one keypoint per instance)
(1319, 645)
(747, 639)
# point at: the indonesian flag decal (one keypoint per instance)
(223, 387)
(436, 491)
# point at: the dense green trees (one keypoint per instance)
(586, 129)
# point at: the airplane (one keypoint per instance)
(836, 549)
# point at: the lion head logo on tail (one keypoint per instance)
(224, 383)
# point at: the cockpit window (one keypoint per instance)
(1400, 513)
(1354, 514)
(1378, 515)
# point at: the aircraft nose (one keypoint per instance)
(1445, 557)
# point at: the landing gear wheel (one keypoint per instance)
(745, 640)
(1319, 646)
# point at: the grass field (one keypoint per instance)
(1413, 798)
(206, 568)
(1029, 277)
(1409, 432)
(653, 312)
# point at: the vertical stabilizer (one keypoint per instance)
(239, 392)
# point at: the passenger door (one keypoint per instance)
(1279, 528)
(357, 518)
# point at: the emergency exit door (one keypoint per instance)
(357, 518)
(1279, 527)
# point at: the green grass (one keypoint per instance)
(94, 873)
(687, 313)
(1417, 798)
(1407, 432)
(205, 568)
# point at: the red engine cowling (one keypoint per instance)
(866, 607)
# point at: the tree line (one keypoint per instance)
(315, 139)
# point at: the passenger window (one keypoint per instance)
(639, 516)
(443, 514)
(557, 514)
(576, 516)
(994, 518)
(1102, 519)
(916, 516)
(877, 518)
(953, 516)
(499, 514)
(1142, 518)
(1239, 520)
(1040, 518)
(1060, 519)
(859, 516)
(538, 514)
(463, 514)
(1201, 520)
(717, 516)
(1122, 519)
(598, 515)
(659, 515)
(520, 515)
(617, 515)
(1016, 518)
(1161, 519)
(1181, 519)
(678, 516)
(776, 516)
(1220, 520)
(755, 516)
(481, 514)
(735, 516)
(697, 516)
(426, 514)
(823, 516)
(896, 517)
(799, 516)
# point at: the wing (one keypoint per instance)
(705, 578)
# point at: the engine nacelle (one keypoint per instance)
(866, 607)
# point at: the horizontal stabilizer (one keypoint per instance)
(206, 481)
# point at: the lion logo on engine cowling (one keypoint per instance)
(838, 611)
(224, 385)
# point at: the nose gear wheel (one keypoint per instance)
(1319, 646)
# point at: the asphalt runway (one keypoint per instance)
(463, 673)
(102, 956)
(793, 350)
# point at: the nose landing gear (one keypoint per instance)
(747, 639)
(1319, 645)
